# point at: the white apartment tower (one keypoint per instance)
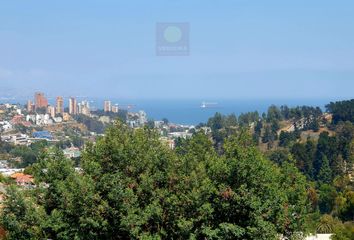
(72, 106)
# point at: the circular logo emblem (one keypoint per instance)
(172, 34)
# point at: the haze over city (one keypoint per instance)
(238, 49)
(177, 119)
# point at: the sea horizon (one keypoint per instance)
(189, 111)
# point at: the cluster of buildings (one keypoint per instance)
(41, 103)
(16, 174)
(16, 117)
(25, 139)
(108, 107)
(16, 139)
(5, 126)
(41, 113)
(74, 107)
(169, 132)
(136, 119)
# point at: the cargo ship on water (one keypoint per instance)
(208, 105)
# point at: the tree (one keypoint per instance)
(275, 127)
(77, 141)
(342, 111)
(314, 125)
(258, 127)
(280, 156)
(165, 121)
(310, 152)
(343, 231)
(322, 149)
(325, 173)
(92, 124)
(132, 186)
(267, 136)
(298, 206)
(73, 208)
(21, 217)
(345, 135)
(299, 152)
(338, 166)
(285, 112)
(245, 161)
(217, 125)
(345, 205)
(150, 124)
(231, 120)
(326, 224)
(286, 138)
(216, 122)
(257, 131)
(327, 197)
(27, 155)
(274, 114)
(245, 119)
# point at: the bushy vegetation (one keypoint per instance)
(326, 161)
(27, 154)
(133, 187)
(217, 186)
(121, 114)
(342, 111)
(92, 124)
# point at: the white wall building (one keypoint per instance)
(5, 126)
(142, 117)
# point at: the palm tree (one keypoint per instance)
(326, 224)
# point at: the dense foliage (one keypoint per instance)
(131, 186)
(217, 186)
(342, 111)
(92, 124)
(326, 157)
(27, 154)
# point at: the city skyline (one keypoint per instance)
(68, 105)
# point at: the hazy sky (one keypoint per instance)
(238, 48)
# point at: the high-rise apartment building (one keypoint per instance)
(72, 106)
(83, 108)
(86, 110)
(29, 106)
(51, 111)
(60, 105)
(40, 100)
(79, 108)
(115, 109)
(142, 117)
(107, 106)
(66, 117)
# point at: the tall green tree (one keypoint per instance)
(325, 173)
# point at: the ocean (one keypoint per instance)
(190, 111)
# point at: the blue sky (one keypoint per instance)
(238, 49)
